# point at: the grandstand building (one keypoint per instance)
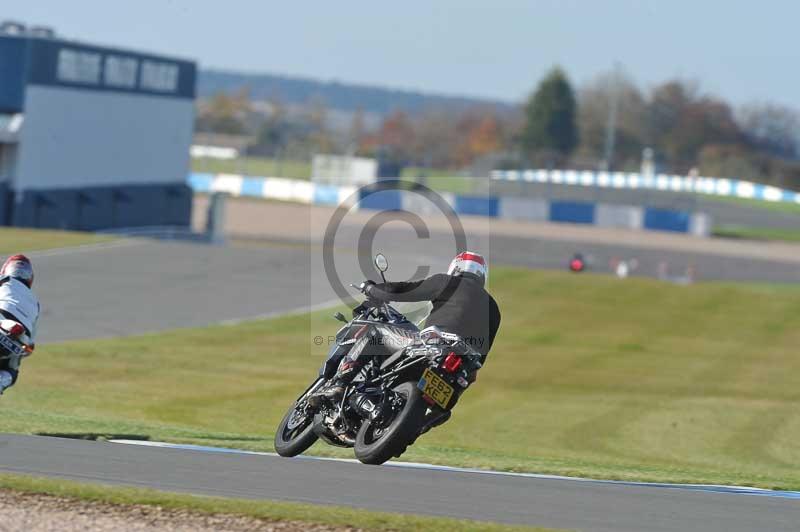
(92, 137)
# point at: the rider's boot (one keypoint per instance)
(6, 380)
(433, 420)
(334, 391)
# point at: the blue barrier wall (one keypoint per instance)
(94, 208)
(478, 206)
(326, 195)
(665, 220)
(200, 182)
(253, 187)
(622, 216)
(381, 200)
(574, 212)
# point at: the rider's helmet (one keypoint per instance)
(469, 264)
(19, 267)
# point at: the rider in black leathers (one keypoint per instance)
(461, 305)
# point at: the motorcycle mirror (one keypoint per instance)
(381, 263)
(339, 316)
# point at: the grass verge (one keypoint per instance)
(254, 166)
(590, 376)
(266, 510)
(758, 233)
(774, 206)
(15, 240)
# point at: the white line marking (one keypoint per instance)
(714, 488)
(68, 250)
(282, 313)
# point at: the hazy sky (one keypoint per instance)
(742, 50)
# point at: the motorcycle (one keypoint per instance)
(12, 343)
(409, 376)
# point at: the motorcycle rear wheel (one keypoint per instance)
(295, 434)
(375, 445)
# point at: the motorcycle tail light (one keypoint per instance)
(452, 362)
(15, 329)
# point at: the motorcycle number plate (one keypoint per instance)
(435, 387)
(7, 344)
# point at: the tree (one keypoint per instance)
(595, 102)
(225, 114)
(396, 137)
(480, 133)
(681, 122)
(357, 131)
(436, 139)
(772, 129)
(317, 118)
(734, 161)
(273, 134)
(550, 127)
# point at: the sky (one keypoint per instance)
(744, 51)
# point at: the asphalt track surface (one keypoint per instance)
(144, 286)
(571, 504)
(138, 286)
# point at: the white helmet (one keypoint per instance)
(469, 262)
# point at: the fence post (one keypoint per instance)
(215, 221)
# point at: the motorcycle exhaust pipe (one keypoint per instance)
(367, 405)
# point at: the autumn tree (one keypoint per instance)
(436, 139)
(225, 113)
(396, 137)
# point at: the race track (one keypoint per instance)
(137, 286)
(570, 504)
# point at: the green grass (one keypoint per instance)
(266, 510)
(762, 287)
(758, 233)
(14, 240)
(254, 166)
(775, 206)
(590, 376)
(447, 181)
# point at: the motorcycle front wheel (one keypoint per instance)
(295, 433)
(375, 443)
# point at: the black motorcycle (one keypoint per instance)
(410, 377)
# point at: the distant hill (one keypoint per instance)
(336, 95)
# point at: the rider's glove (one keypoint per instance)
(366, 286)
